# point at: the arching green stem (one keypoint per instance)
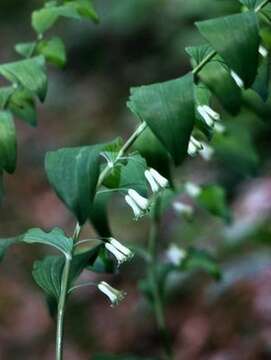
(67, 266)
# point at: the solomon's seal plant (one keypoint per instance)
(176, 118)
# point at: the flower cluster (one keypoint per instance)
(139, 204)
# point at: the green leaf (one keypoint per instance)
(85, 255)
(236, 150)
(261, 83)
(148, 145)
(30, 73)
(84, 8)
(198, 53)
(53, 50)
(22, 104)
(45, 18)
(168, 109)
(213, 198)
(251, 4)
(55, 238)
(236, 39)
(5, 94)
(5, 244)
(8, 143)
(73, 173)
(201, 259)
(26, 49)
(217, 78)
(98, 214)
(103, 263)
(129, 175)
(254, 103)
(47, 273)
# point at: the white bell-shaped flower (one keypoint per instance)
(209, 115)
(206, 152)
(192, 189)
(155, 180)
(115, 296)
(140, 201)
(137, 211)
(121, 252)
(161, 180)
(239, 82)
(175, 254)
(182, 208)
(153, 184)
(125, 250)
(121, 258)
(194, 146)
(219, 128)
(263, 51)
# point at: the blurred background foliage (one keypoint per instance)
(139, 42)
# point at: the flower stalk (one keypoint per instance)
(64, 290)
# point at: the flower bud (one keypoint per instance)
(239, 82)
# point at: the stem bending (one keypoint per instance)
(67, 266)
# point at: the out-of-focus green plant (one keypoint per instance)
(230, 71)
(28, 77)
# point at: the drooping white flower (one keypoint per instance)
(133, 205)
(207, 152)
(194, 146)
(239, 82)
(125, 250)
(161, 180)
(114, 295)
(156, 180)
(121, 258)
(153, 184)
(263, 51)
(192, 189)
(209, 115)
(182, 208)
(121, 252)
(219, 128)
(140, 201)
(175, 254)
